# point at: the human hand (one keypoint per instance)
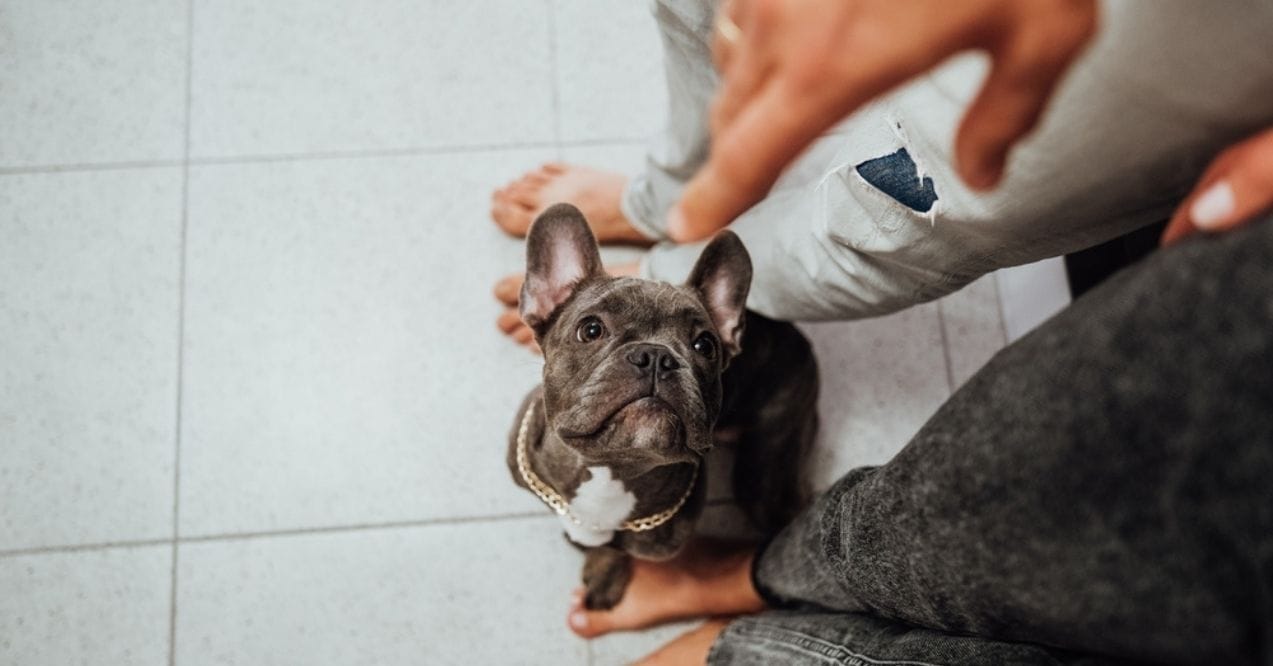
(791, 69)
(1235, 187)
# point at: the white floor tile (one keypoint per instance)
(342, 360)
(88, 81)
(489, 593)
(1031, 294)
(881, 379)
(108, 607)
(974, 327)
(89, 266)
(610, 70)
(293, 77)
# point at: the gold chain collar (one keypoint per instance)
(558, 504)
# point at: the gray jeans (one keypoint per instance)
(1103, 487)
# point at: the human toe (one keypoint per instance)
(508, 290)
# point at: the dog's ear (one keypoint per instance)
(561, 253)
(722, 278)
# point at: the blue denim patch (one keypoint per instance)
(896, 176)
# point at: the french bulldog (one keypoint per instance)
(640, 380)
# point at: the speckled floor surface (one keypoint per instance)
(253, 404)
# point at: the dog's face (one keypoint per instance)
(632, 368)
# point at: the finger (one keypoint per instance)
(509, 289)
(745, 26)
(726, 29)
(1007, 108)
(1179, 227)
(746, 158)
(723, 51)
(751, 65)
(1212, 209)
(1235, 189)
(1238, 197)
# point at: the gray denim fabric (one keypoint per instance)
(858, 639)
(1165, 85)
(1103, 485)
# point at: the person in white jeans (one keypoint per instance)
(854, 229)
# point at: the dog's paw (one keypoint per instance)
(604, 598)
(605, 576)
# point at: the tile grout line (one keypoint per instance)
(181, 341)
(449, 149)
(945, 345)
(87, 166)
(363, 527)
(298, 531)
(84, 547)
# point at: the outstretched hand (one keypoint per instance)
(1236, 187)
(791, 69)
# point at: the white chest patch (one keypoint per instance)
(602, 504)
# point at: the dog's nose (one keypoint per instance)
(648, 357)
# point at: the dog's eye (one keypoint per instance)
(590, 329)
(705, 344)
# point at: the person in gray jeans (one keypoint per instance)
(1101, 491)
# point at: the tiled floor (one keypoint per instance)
(252, 402)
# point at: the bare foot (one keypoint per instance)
(690, 647)
(596, 193)
(509, 289)
(708, 579)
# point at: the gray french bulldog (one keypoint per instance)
(641, 378)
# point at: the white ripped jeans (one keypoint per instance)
(850, 231)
